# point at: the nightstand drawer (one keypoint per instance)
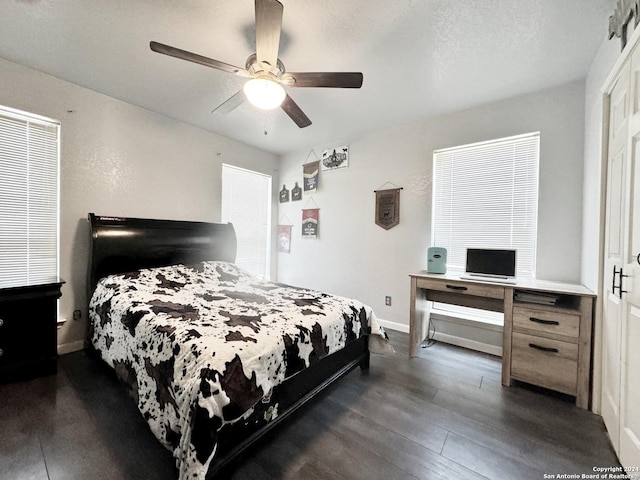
(28, 331)
(545, 362)
(19, 335)
(546, 321)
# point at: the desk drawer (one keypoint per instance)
(548, 363)
(546, 321)
(466, 288)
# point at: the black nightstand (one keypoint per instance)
(28, 330)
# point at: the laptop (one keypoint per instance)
(490, 265)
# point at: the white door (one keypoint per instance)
(629, 452)
(614, 254)
(621, 314)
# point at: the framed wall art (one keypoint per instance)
(334, 158)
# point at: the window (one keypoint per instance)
(246, 202)
(485, 195)
(29, 185)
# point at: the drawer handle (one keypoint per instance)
(544, 349)
(544, 322)
(459, 288)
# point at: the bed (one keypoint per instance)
(214, 357)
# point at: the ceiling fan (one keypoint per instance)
(265, 71)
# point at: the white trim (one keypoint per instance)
(246, 170)
(615, 71)
(470, 344)
(597, 334)
(488, 142)
(598, 312)
(28, 116)
(398, 327)
(467, 320)
(70, 347)
(452, 340)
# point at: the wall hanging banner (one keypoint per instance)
(310, 223)
(284, 238)
(311, 171)
(388, 208)
(334, 158)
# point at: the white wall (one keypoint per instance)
(355, 257)
(118, 159)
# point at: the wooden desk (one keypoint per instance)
(545, 345)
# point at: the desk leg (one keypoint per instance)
(506, 337)
(419, 317)
(584, 352)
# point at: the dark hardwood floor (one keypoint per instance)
(443, 415)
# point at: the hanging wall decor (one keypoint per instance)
(296, 193)
(284, 238)
(388, 207)
(311, 171)
(310, 223)
(284, 194)
(334, 158)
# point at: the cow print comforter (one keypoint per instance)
(200, 345)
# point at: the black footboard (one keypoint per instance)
(289, 397)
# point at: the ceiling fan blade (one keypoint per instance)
(230, 104)
(268, 27)
(324, 79)
(292, 109)
(193, 57)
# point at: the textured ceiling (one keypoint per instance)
(419, 58)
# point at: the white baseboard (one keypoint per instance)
(70, 347)
(445, 338)
(398, 327)
(470, 344)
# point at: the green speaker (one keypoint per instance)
(437, 260)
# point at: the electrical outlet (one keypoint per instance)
(77, 314)
(387, 300)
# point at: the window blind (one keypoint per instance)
(246, 202)
(486, 196)
(29, 185)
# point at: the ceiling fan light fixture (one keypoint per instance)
(264, 93)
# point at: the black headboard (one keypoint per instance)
(120, 244)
